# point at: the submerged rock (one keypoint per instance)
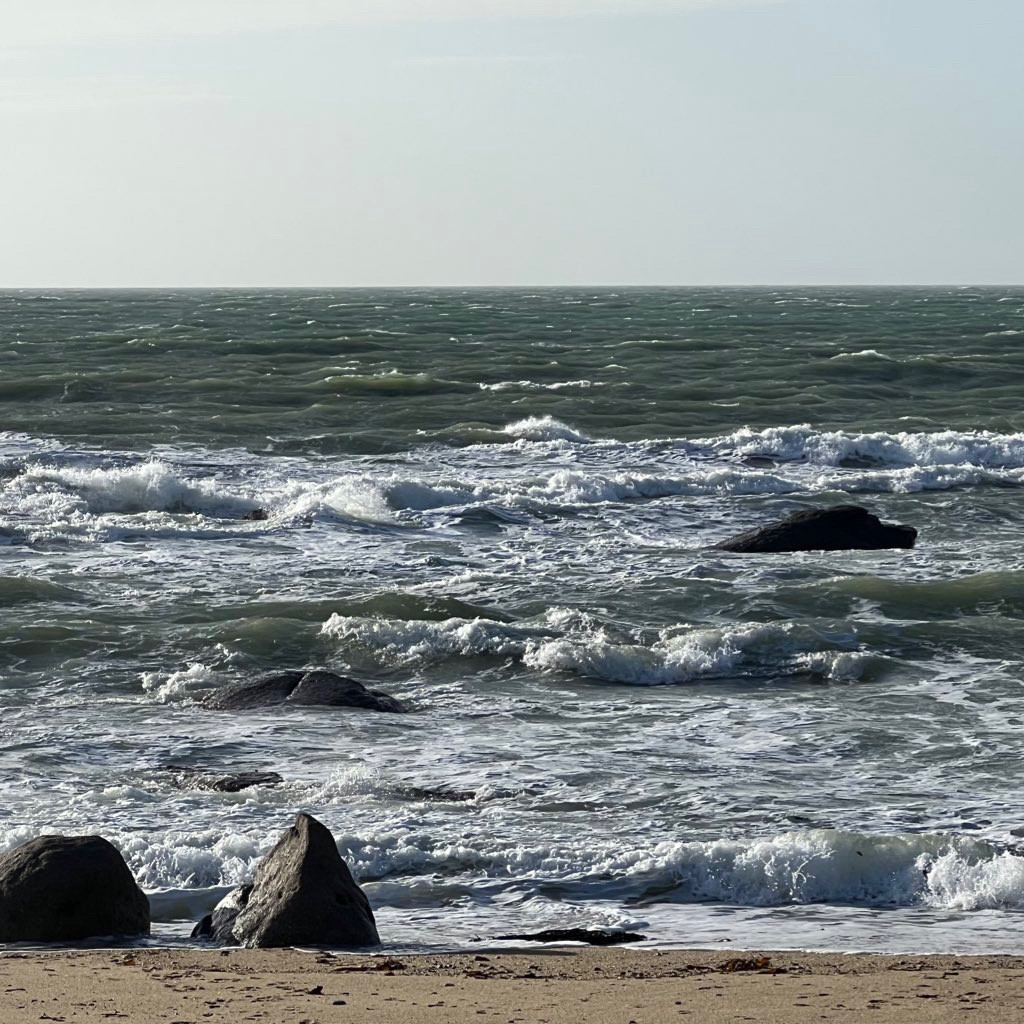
(302, 895)
(229, 782)
(591, 936)
(842, 528)
(424, 793)
(301, 688)
(65, 888)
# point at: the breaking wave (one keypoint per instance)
(544, 428)
(145, 487)
(86, 499)
(949, 448)
(569, 641)
(63, 494)
(822, 866)
(983, 449)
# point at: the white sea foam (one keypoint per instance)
(45, 515)
(158, 498)
(145, 487)
(530, 385)
(544, 428)
(109, 504)
(378, 498)
(701, 654)
(353, 497)
(405, 641)
(194, 859)
(926, 451)
(567, 488)
(982, 448)
(919, 478)
(586, 648)
(866, 353)
(174, 686)
(800, 867)
(388, 382)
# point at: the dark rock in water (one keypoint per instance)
(760, 461)
(855, 460)
(302, 895)
(842, 528)
(445, 796)
(592, 937)
(243, 780)
(300, 688)
(65, 888)
(260, 693)
(217, 926)
(337, 691)
(234, 782)
(258, 515)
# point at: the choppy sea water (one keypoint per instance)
(499, 506)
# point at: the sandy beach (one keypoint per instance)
(549, 985)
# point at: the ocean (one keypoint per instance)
(499, 506)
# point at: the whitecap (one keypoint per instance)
(563, 641)
(802, 442)
(544, 428)
(175, 686)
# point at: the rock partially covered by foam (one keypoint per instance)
(842, 528)
(225, 782)
(301, 688)
(302, 895)
(66, 888)
(217, 926)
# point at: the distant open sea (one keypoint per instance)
(499, 506)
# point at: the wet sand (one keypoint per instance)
(545, 986)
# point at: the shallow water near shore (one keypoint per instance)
(499, 506)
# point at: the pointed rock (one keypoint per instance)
(304, 895)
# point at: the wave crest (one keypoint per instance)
(825, 866)
(544, 428)
(981, 448)
(146, 487)
(680, 655)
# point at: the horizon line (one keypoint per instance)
(488, 287)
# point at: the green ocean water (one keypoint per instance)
(351, 372)
(499, 506)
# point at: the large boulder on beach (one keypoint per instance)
(302, 894)
(301, 688)
(841, 528)
(65, 888)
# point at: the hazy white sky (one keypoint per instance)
(317, 142)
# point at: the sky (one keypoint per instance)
(249, 143)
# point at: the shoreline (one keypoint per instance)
(557, 985)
